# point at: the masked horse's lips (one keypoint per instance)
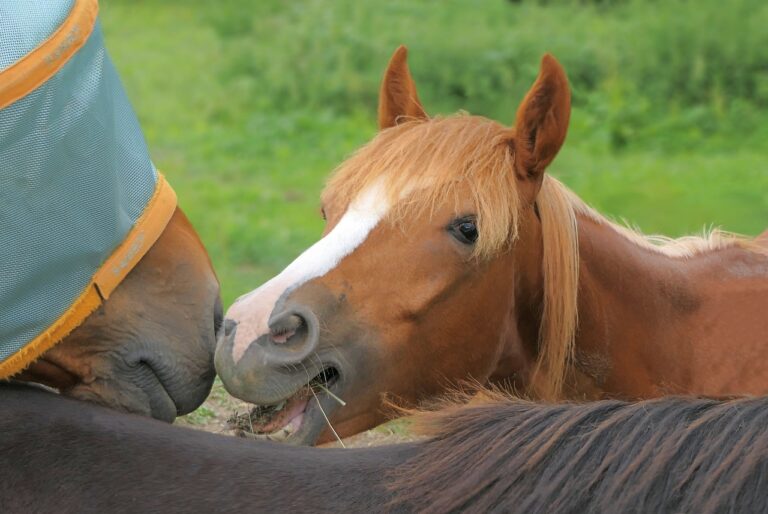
(298, 419)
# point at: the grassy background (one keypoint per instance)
(248, 105)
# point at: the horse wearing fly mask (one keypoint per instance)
(107, 292)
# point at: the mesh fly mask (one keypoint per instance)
(80, 200)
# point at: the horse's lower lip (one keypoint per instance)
(166, 413)
(293, 425)
(287, 419)
(162, 404)
(296, 419)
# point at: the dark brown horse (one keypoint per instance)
(450, 253)
(663, 456)
(149, 347)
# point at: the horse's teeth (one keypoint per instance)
(280, 405)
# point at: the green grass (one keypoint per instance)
(247, 106)
(202, 415)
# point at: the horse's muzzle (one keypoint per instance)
(267, 367)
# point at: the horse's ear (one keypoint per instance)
(542, 121)
(397, 98)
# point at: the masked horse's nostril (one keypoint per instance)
(229, 327)
(218, 316)
(285, 327)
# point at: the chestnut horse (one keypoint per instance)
(149, 347)
(449, 253)
(662, 456)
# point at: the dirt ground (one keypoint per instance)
(212, 416)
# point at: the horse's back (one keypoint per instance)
(109, 461)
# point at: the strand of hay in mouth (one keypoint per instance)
(329, 393)
(327, 420)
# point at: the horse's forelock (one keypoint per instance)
(422, 164)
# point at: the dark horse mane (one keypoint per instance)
(669, 455)
(666, 455)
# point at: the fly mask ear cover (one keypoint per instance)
(80, 200)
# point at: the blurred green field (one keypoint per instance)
(248, 105)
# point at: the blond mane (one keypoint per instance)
(711, 238)
(443, 159)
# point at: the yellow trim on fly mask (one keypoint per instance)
(139, 240)
(28, 73)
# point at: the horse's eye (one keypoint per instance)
(465, 230)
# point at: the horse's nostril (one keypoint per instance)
(229, 327)
(293, 335)
(285, 327)
(218, 316)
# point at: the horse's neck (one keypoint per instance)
(651, 324)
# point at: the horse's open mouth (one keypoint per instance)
(280, 421)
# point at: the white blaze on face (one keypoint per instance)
(253, 310)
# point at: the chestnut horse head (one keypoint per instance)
(434, 238)
(149, 347)
(449, 255)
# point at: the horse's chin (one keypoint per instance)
(146, 398)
